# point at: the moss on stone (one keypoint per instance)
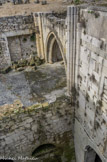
(64, 150)
(60, 84)
(69, 152)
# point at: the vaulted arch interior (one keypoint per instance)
(53, 50)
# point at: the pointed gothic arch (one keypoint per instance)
(54, 49)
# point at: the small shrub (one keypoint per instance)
(96, 14)
(77, 2)
(91, 12)
(24, 39)
(32, 38)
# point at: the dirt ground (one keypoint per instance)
(58, 6)
(9, 9)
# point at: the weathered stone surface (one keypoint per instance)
(86, 83)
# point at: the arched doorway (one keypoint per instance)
(56, 53)
(91, 155)
(43, 149)
(54, 49)
(47, 153)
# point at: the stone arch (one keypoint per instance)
(54, 49)
(91, 155)
(43, 149)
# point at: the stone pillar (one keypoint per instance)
(5, 49)
(72, 16)
(79, 30)
(39, 35)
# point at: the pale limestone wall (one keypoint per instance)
(87, 72)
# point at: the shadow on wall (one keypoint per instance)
(56, 53)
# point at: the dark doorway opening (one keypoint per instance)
(53, 50)
(56, 53)
(43, 149)
(91, 155)
(97, 159)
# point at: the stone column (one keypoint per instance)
(6, 53)
(72, 16)
(39, 35)
(79, 30)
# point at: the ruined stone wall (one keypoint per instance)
(48, 24)
(22, 130)
(14, 30)
(17, 38)
(15, 23)
(21, 46)
(87, 66)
